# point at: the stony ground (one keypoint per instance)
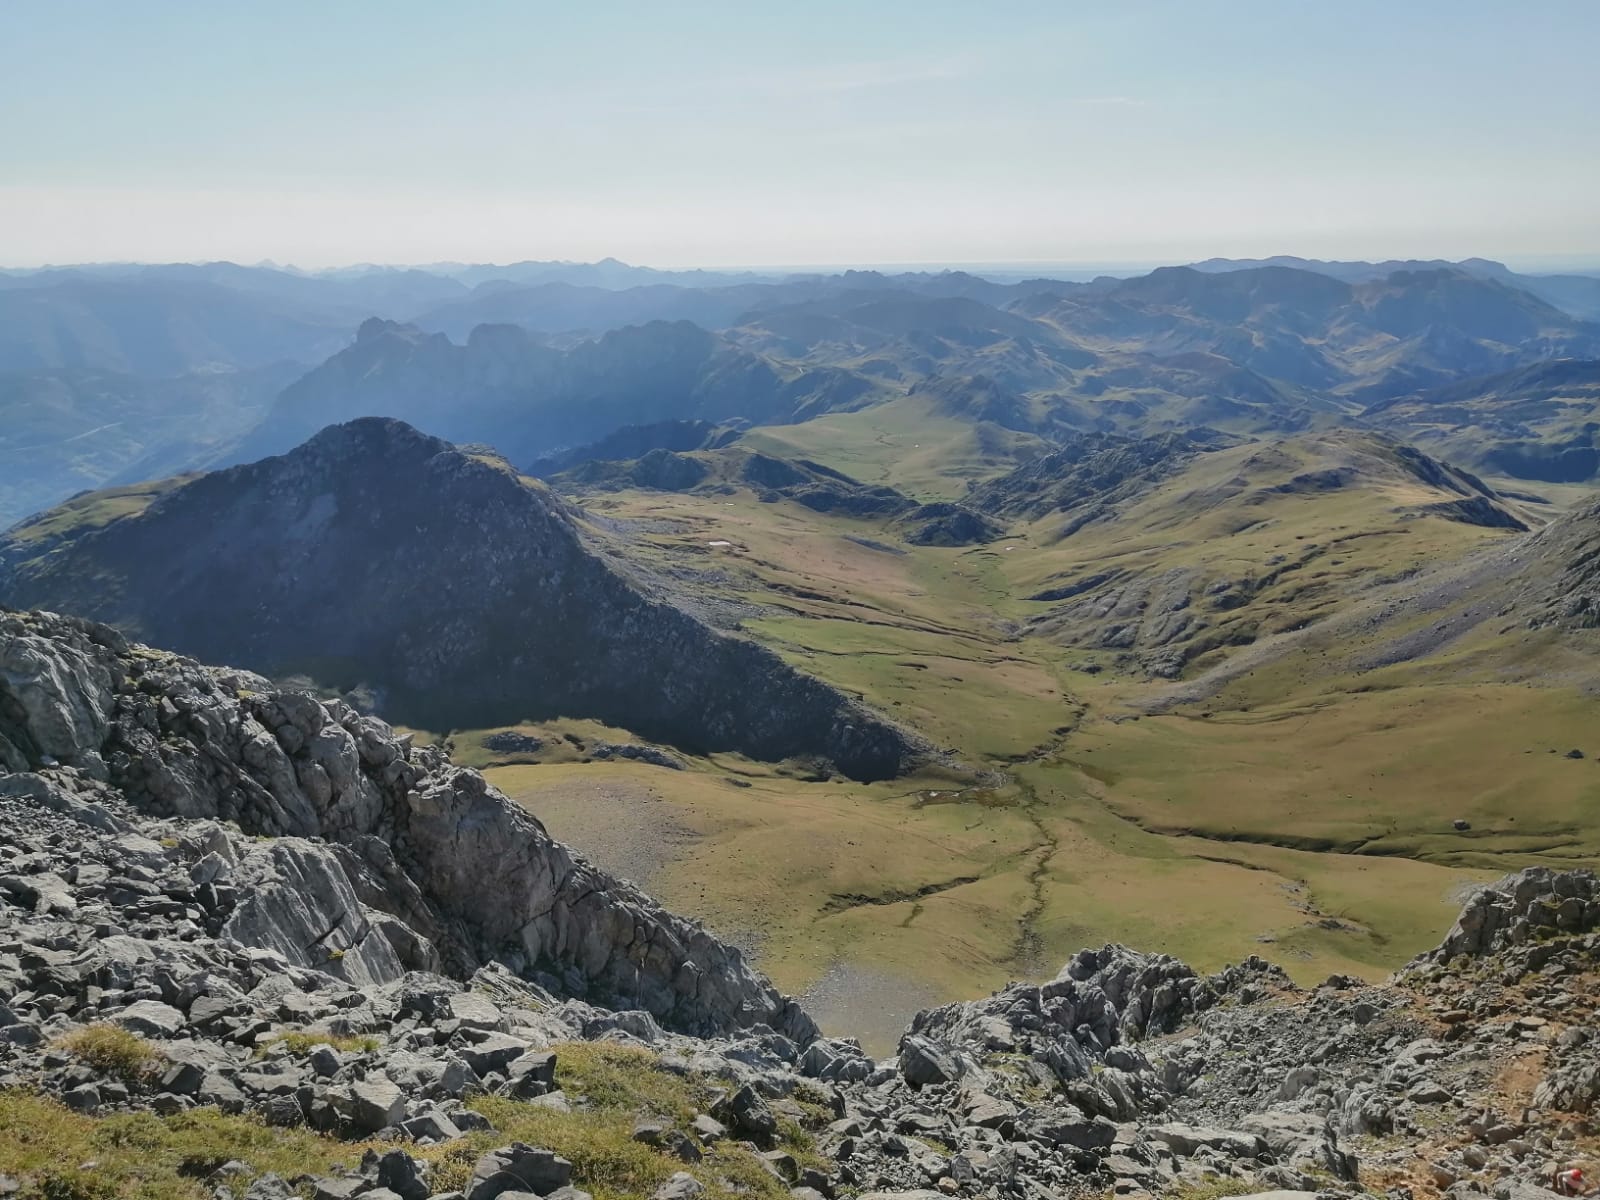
(197, 921)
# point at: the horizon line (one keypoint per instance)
(1576, 261)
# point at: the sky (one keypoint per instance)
(761, 133)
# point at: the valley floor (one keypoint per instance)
(1295, 811)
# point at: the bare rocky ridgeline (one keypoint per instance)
(209, 863)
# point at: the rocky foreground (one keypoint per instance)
(217, 895)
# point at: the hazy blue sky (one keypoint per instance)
(797, 132)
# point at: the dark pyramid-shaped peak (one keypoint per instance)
(461, 593)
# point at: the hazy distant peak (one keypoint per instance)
(376, 327)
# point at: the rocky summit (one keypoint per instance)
(219, 897)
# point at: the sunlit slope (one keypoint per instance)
(922, 630)
(909, 443)
(1522, 609)
(1241, 545)
(1309, 817)
(92, 510)
(1385, 772)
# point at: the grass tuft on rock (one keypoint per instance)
(301, 1042)
(1211, 1189)
(610, 1087)
(113, 1050)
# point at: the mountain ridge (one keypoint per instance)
(486, 601)
(508, 388)
(1265, 350)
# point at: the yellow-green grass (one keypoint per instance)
(1211, 903)
(1209, 837)
(619, 1084)
(1379, 772)
(812, 874)
(782, 554)
(96, 509)
(300, 1042)
(905, 443)
(818, 876)
(468, 749)
(112, 1049)
(62, 1155)
(979, 698)
(1211, 1189)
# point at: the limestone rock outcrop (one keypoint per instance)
(1521, 908)
(391, 859)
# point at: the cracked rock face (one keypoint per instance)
(422, 865)
(1534, 904)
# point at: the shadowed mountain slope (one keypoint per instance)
(819, 488)
(1537, 422)
(464, 594)
(635, 441)
(1091, 475)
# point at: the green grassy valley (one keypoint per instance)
(1235, 788)
(1197, 693)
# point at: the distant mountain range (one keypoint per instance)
(1578, 295)
(511, 389)
(108, 372)
(1407, 330)
(159, 328)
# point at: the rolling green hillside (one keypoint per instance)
(1203, 794)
